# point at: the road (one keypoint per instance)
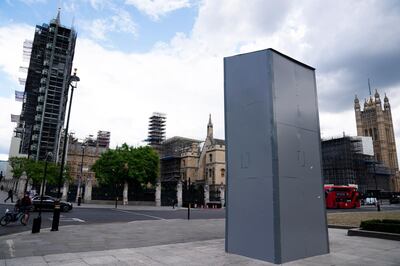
(111, 215)
(100, 215)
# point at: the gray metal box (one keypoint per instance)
(275, 201)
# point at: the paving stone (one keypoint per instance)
(31, 261)
(69, 262)
(100, 260)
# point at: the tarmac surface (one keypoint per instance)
(170, 242)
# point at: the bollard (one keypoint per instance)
(188, 217)
(36, 225)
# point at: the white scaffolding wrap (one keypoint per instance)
(19, 96)
(15, 118)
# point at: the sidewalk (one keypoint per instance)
(170, 242)
(4, 195)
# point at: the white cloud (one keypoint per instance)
(11, 44)
(120, 22)
(157, 8)
(184, 77)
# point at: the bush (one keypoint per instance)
(385, 225)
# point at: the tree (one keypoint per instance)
(35, 169)
(127, 163)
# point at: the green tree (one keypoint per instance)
(18, 166)
(125, 164)
(35, 169)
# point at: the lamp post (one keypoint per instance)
(378, 206)
(79, 190)
(37, 222)
(56, 214)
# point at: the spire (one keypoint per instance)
(209, 128)
(58, 15)
(369, 87)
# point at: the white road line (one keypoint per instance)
(78, 220)
(146, 215)
(11, 247)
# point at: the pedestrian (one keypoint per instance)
(10, 196)
(2, 187)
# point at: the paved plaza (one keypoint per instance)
(170, 242)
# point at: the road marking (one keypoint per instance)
(146, 215)
(69, 220)
(78, 220)
(11, 247)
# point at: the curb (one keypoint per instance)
(374, 234)
(336, 226)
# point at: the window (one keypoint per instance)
(210, 156)
(222, 172)
(376, 133)
(183, 163)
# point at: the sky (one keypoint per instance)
(135, 57)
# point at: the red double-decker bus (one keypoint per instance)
(341, 197)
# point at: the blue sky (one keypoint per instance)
(149, 30)
(135, 57)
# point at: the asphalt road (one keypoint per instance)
(99, 215)
(80, 216)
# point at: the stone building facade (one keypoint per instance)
(376, 122)
(80, 159)
(198, 163)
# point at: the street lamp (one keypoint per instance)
(56, 214)
(79, 191)
(37, 222)
(378, 206)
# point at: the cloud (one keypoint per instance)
(348, 42)
(157, 8)
(120, 22)
(30, 2)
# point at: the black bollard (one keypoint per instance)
(36, 225)
(189, 211)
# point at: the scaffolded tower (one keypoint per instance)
(46, 89)
(156, 129)
(103, 139)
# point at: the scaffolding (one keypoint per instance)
(345, 163)
(156, 129)
(103, 139)
(50, 57)
(171, 154)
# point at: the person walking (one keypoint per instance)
(10, 196)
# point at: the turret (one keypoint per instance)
(377, 99)
(386, 104)
(356, 104)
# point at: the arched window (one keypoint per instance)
(210, 156)
(222, 172)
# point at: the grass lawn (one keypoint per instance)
(355, 218)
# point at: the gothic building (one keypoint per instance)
(376, 122)
(201, 164)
